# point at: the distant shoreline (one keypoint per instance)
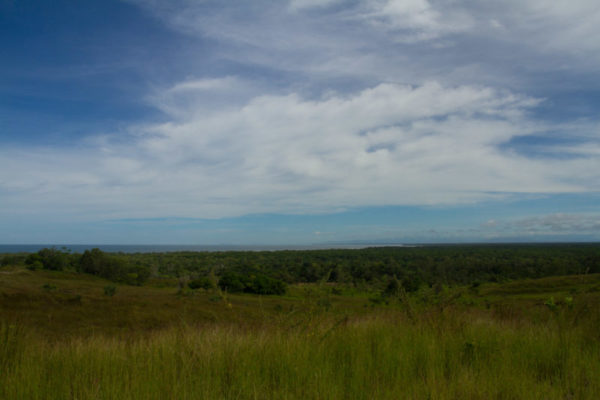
(150, 248)
(163, 248)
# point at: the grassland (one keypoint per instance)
(63, 337)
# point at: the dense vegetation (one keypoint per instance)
(268, 272)
(117, 268)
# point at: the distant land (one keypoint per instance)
(150, 248)
(161, 248)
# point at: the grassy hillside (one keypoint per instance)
(63, 335)
(58, 304)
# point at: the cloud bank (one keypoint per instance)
(387, 145)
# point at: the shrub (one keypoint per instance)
(52, 259)
(393, 288)
(111, 267)
(12, 259)
(262, 284)
(200, 283)
(231, 282)
(411, 283)
(35, 265)
(49, 287)
(257, 284)
(110, 290)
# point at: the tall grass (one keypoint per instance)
(449, 355)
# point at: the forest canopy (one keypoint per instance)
(268, 272)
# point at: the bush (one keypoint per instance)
(411, 283)
(114, 268)
(393, 288)
(49, 287)
(52, 259)
(137, 275)
(12, 259)
(110, 290)
(35, 265)
(257, 284)
(232, 282)
(263, 284)
(200, 283)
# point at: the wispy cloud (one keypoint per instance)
(385, 39)
(582, 225)
(296, 5)
(387, 145)
(416, 20)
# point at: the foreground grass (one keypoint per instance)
(388, 356)
(484, 345)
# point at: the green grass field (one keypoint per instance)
(62, 336)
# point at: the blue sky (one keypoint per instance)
(300, 121)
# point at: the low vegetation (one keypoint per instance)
(207, 332)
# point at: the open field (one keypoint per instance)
(62, 336)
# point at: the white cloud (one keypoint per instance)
(509, 43)
(297, 5)
(201, 96)
(570, 26)
(570, 223)
(558, 224)
(417, 20)
(203, 85)
(387, 145)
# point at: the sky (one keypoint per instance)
(293, 122)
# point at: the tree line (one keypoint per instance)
(268, 272)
